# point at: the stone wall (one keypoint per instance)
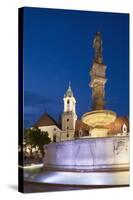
(88, 153)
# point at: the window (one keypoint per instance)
(67, 132)
(80, 133)
(68, 101)
(67, 120)
(124, 128)
(54, 138)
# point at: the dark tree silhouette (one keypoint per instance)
(36, 137)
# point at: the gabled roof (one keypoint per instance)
(81, 126)
(45, 120)
(116, 126)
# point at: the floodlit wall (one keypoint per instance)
(88, 153)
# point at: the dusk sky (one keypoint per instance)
(58, 49)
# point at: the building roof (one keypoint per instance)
(116, 126)
(81, 126)
(45, 120)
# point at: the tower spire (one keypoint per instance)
(69, 92)
(69, 84)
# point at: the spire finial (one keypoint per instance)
(69, 90)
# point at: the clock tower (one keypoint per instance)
(69, 116)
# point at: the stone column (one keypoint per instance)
(97, 84)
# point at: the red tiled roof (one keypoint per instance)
(81, 126)
(116, 126)
(45, 120)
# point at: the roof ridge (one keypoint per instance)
(46, 120)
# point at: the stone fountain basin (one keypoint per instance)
(88, 154)
(84, 162)
(99, 118)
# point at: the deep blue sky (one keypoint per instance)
(58, 49)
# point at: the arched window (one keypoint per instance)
(124, 129)
(67, 135)
(54, 138)
(68, 101)
(67, 132)
(80, 132)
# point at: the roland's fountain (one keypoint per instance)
(98, 118)
(94, 161)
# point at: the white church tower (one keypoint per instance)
(69, 116)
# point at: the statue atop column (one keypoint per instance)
(98, 75)
(97, 45)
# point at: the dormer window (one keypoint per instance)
(124, 128)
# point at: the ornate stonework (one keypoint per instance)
(99, 117)
(98, 75)
(97, 45)
(98, 80)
